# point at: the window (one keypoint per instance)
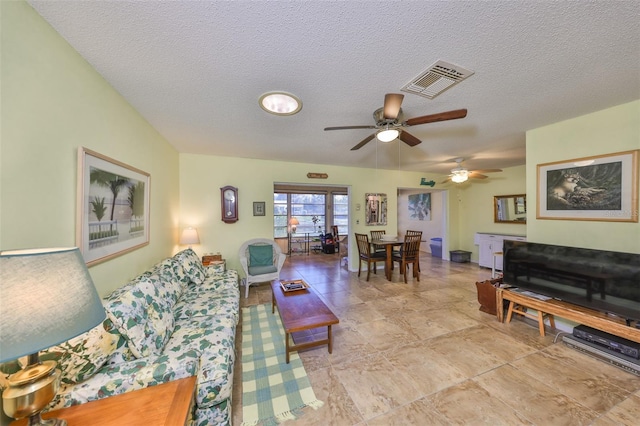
(315, 208)
(341, 213)
(309, 209)
(280, 220)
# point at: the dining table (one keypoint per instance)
(388, 245)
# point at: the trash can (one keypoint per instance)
(436, 247)
(460, 256)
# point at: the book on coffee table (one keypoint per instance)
(293, 285)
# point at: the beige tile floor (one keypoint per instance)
(423, 354)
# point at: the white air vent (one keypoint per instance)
(435, 80)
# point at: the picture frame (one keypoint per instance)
(419, 206)
(376, 209)
(597, 188)
(258, 208)
(112, 207)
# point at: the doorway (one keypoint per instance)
(426, 211)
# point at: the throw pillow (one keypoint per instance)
(79, 358)
(260, 255)
(138, 315)
(192, 265)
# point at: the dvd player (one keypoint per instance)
(609, 341)
(597, 351)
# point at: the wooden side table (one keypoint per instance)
(168, 404)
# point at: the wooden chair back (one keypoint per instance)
(409, 232)
(376, 235)
(364, 248)
(411, 246)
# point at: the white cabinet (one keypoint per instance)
(488, 244)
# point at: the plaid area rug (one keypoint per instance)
(272, 390)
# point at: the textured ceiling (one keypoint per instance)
(195, 71)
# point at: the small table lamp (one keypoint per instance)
(189, 236)
(293, 223)
(48, 297)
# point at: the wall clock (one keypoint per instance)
(229, 200)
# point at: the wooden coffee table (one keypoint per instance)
(302, 310)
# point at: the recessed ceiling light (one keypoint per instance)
(280, 103)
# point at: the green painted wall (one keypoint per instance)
(53, 102)
(202, 176)
(474, 201)
(611, 130)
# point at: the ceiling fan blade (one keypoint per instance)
(392, 102)
(364, 142)
(349, 127)
(475, 175)
(446, 180)
(441, 116)
(487, 171)
(409, 139)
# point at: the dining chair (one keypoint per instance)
(336, 238)
(409, 232)
(377, 235)
(366, 255)
(409, 255)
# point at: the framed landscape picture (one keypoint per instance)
(602, 188)
(112, 207)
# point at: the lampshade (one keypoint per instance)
(459, 176)
(293, 224)
(47, 297)
(189, 236)
(387, 135)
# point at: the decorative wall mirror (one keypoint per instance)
(376, 211)
(510, 208)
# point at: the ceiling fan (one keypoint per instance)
(459, 174)
(390, 124)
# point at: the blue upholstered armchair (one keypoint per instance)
(261, 261)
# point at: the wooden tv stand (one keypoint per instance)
(588, 317)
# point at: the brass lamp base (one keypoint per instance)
(36, 420)
(31, 390)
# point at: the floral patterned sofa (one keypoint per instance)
(176, 320)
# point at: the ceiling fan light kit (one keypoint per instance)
(459, 176)
(387, 135)
(280, 103)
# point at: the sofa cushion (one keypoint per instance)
(218, 281)
(225, 302)
(141, 315)
(79, 358)
(117, 379)
(260, 255)
(214, 337)
(260, 270)
(192, 265)
(172, 278)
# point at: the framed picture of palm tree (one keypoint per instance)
(112, 207)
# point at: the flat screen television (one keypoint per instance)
(606, 281)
